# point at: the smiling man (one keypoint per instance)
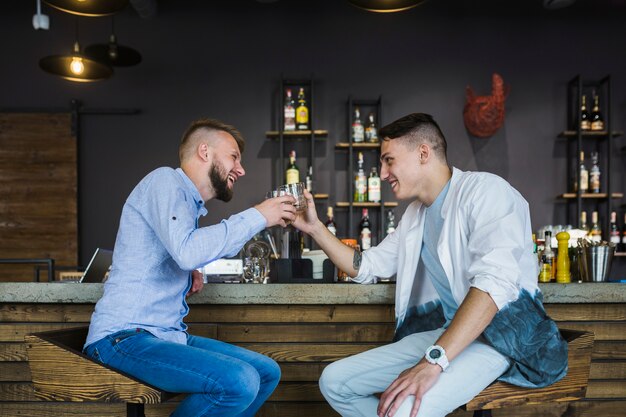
(137, 326)
(468, 308)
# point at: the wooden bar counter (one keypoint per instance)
(303, 327)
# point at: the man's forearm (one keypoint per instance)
(470, 320)
(340, 254)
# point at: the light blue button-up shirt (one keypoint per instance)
(158, 244)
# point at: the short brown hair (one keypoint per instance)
(415, 129)
(209, 125)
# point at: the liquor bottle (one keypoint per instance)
(358, 134)
(290, 112)
(371, 134)
(597, 121)
(309, 179)
(614, 235)
(292, 174)
(302, 112)
(583, 222)
(594, 174)
(548, 256)
(365, 232)
(583, 184)
(585, 122)
(373, 186)
(623, 249)
(595, 234)
(330, 223)
(545, 269)
(360, 183)
(391, 223)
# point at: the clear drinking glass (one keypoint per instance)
(297, 191)
(256, 270)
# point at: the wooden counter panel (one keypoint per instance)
(292, 314)
(602, 331)
(15, 371)
(587, 312)
(304, 339)
(308, 352)
(11, 352)
(46, 313)
(609, 350)
(306, 333)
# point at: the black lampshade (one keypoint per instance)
(386, 6)
(76, 67)
(88, 7)
(113, 54)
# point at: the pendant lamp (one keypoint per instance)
(112, 53)
(386, 6)
(88, 7)
(76, 66)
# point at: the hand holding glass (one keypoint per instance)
(295, 190)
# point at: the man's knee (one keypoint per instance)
(241, 384)
(331, 379)
(271, 370)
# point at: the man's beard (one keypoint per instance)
(219, 182)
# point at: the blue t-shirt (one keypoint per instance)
(429, 266)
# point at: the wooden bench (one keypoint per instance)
(61, 372)
(572, 387)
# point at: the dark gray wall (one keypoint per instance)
(225, 61)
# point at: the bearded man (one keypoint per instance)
(137, 326)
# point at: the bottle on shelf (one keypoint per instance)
(371, 133)
(548, 267)
(594, 174)
(391, 223)
(373, 186)
(595, 233)
(289, 112)
(302, 112)
(360, 182)
(583, 222)
(365, 231)
(330, 222)
(614, 234)
(292, 174)
(585, 119)
(309, 179)
(623, 248)
(358, 135)
(597, 121)
(583, 181)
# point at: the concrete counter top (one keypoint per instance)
(74, 293)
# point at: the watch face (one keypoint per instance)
(435, 353)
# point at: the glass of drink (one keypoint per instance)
(297, 191)
(256, 270)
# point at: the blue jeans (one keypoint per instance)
(221, 379)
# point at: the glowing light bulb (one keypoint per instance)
(76, 66)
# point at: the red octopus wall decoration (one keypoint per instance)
(484, 115)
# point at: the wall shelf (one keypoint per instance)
(572, 134)
(568, 196)
(346, 145)
(274, 134)
(366, 204)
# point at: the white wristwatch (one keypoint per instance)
(437, 356)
